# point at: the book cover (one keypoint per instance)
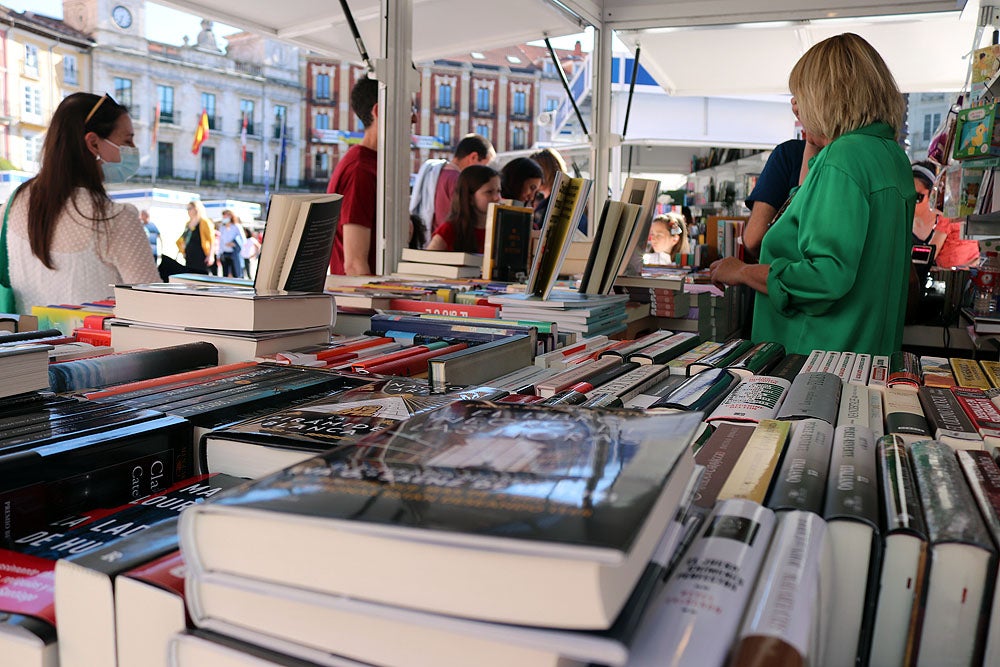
(904, 371)
(644, 193)
(879, 371)
(962, 556)
(903, 414)
(851, 511)
(981, 411)
(508, 242)
(813, 395)
(438, 308)
(992, 371)
(947, 419)
(895, 628)
(298, 241)
(754, 399)
(481, 363)
(845, 366)
(727, 353)
(719, 455)
(936, 372)
(854, 411)
(789, 366)
(682, 364)
(666, 349)
(437, 270)
(968, 373)
(801, 481)
(754, 472)
(98, 372)
(695, 619)
(601, 250)
(630, 384)
(490, 483)
(702, 392)
(566, 204)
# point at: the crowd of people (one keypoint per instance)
(833, 215)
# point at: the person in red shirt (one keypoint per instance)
(465, 229)
(472, 149)
(355, 178)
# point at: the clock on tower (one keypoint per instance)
(122, 17)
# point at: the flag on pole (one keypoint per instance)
(243, 138)
(156, 127)
(200, 133)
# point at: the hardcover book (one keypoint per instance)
(719, 455)
(614, 231)
(702, 392)
(566, 204)
(449, 258)
(801, 480)
(131, 366)
(682, 364)
(854, 402)
(149, 609)
(904, 371)
(756, 398)
(903, 414)
(862, 369)
(968, 373)
(506, 256)
(481, 363)
(813, 395)
(947, 419)
(496, 497)
(726, 354)
(753, 474)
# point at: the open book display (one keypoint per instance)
(616, 229)
(298, 241)
(508, 242)
(561, 217)
(641, 191)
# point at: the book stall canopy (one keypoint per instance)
(438, 29)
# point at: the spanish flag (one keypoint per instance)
(201, 132)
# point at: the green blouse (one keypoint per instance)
(840, 253)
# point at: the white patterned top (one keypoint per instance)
(89, 256)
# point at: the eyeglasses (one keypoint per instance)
(97, 105)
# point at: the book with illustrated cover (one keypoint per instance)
(753, 474)
(947, 419)
(562, 508)
(566, 204)
(284, 437)
(298, 242)
(507, 252)
(225, 307)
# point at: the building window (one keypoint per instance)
(444, 96)
(444, 133)
(927, 126)
(517, 138)
(248, 168)
(321, 166)
(482, 99)
(280, 113)
(322, 121)
(323, 86)
(165, 96)
(69, 70)
(246, 111)
(207, 163)
(32, 101)
(32, 150)
(551, 103)
(520, 102)
(123, 92)
(483, 130)
(549, 68)
(31, 60)
(208, 104)
(165, 159)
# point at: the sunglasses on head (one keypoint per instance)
(97, 105)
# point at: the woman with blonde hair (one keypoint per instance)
(197, 239)
(834, 266)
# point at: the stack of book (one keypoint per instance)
(440, 264)
(538, 534)
(584, 314)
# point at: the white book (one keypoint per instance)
(845, 366)
(880, 372)
(854, 410)
(862, 369)
(813, 362)
(298, 241)
(830, 361)
(876, 413)
(756, 398)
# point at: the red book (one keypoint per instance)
(980, 409)
(438, 308)
(332, 354)
(96, 321)
(93, 336)
(189, 377)
(414, 364)
(365, 364)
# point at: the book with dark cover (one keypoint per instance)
(380, 324)
(508, 242)
(788, 367)
(801, 481)
(947, 419)
(96, 372)
(729, 352)
(284, 437)
(196, 388)
(667, 349)
(703, 392)
(851, 511)
(549, 500)
(481, 363)
(719, 455)
(962, 557)
(904, 371)
(22, 336)
(627, 348)
(983, 475)
(895, 629)
(566, 204)
(981, 411)
(758, 359)
(814, 395)
(85, 581)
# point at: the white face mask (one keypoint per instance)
(125, 168)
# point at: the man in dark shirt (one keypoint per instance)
(779, 176)
(355, 177)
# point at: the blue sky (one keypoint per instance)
(162, 23)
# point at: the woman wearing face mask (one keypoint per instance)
(66, 240)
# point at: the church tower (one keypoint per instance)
(117, 22)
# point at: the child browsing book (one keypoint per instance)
(465, 230)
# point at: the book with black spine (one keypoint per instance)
(682, 364)
(790, 366)
(852, 518)
(129, 366)
(666, 349)
(489, 504)
(758, 360)
(719, 455)
(947, 419)
(903, 414)
(904, 371)
(813, 395)
(507, 251)
(801, 480)
(729, 352)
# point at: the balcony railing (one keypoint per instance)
(445, 110)
(215, 122)
(172, 117)
(289, 132)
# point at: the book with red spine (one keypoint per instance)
(362, 365)
(100, 337)
(185, 378)
(981, 410)
(96, 321)
(438, 308)
(415, 364)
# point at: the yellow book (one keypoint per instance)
(969, 373)
(992, 371)
(751, 476)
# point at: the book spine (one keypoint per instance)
(637, 345)
(754, 399)
(949, 507)
(945, 415)
(900, 507)
(667, 349)
(696, 618)
(815, 394)
(752, 475)
(814, 361)
(133, 389)
(830, 361)
(572, 376)
(980, 409)
(680, 365)
(861, 370)
(801, 481)
(758, 359)
(631, 383)
(414, 364)
(904, 370)
(845, 366)
(704, 391)
(903, 414)
(854, 406)
(722, 357)
(719, 455)
(363, 365)
(968, 373)
(876, 413)
(790, 366)
(880, 371)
